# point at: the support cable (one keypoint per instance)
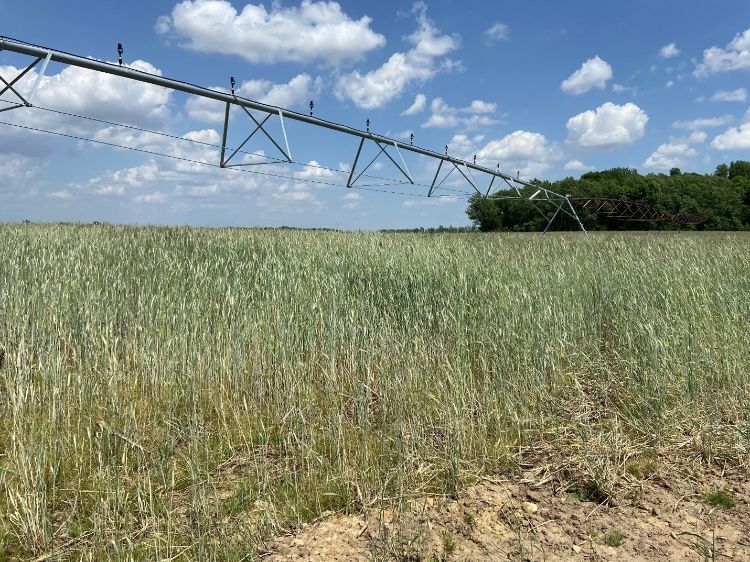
(202, 163)
(274, 160)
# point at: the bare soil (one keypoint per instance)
(535, 516)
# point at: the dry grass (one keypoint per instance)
(170, 393)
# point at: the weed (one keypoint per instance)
(719, 498)
(240, 501)
(449, 544)
(588, 491)
(642, 469)
(614, 538)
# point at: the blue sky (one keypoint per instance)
(545, 89)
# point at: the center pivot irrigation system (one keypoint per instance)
(553, 203)
(510, 185)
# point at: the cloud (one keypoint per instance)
(520, 152)
(670, 155)
(298, 195)
(608, 126)
(376, 88)
(352, 200)
(479, 106)
(677, 152)
(314, 31)
(740, 94)
(420, 102)
(704, 122)
(432, 201)
(669, 51)
(63, 194)
(151, 198)
(190, 179)
(465, 146)
(576, 165)
(498, 32)
(735, 56)
(524, 152)
(296, 92)
(477, 114)
(735, 138)
(670, 83)
(15, 173)
(314, 171)
(593, 73)
(620, 89)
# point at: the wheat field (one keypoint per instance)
(185, 393)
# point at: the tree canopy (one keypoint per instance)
(723, 198)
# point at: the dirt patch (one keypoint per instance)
(685, 517)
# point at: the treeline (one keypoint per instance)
(722, 198)
(430, 230)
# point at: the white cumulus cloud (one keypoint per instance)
(477, 114)
(669, 51)
(497, 32)
(594, 73)
(735, 138)
(151, 198)
(740, 94)
(314, 31)
(607, 126)
(735, 56)
(704, 122)
(576, 165)
(676, 153)
(670, 155)
(520, 152)
(420, 102)
(420, 63)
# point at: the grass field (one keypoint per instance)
(190, 393)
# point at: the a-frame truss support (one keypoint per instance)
(383, 149)
(11, 86)
(259, 126)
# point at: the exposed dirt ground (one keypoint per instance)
(536, 516)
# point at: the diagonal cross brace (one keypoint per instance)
(259, 126)
(468, 176)
(9, 86)
(403, 168)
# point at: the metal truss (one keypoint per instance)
(403, 168)
(9, 86)
(259, 126)
(466, 169)
(633, 211)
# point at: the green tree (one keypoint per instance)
(740, 168)
(724, 204)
